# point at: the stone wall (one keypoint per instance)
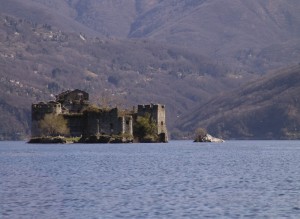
(73, 101)
(75, 95)
(158, 114)
(127, 123)
(105, 122)
(92, 121)
(75, 124)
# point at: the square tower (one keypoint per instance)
(157, 114)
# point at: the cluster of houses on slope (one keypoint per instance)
(82, 121)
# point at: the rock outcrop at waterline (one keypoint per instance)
(208, 138)
(48, 140)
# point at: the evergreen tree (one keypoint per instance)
(145, 129)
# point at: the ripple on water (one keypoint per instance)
(236, 179)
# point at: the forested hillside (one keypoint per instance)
(180, 53)
(38, 61)
(248, 35)
(268, 108)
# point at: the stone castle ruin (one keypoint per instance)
(93, 124)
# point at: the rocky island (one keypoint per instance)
(202, 136)
(72, 119)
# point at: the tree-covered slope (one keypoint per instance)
(180, 53)
(38, 61)
(267, 108)
(238, 32)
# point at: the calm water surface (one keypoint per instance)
(236, 179)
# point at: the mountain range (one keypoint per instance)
(187, 54)
(247, 34)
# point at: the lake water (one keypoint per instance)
(181, 179)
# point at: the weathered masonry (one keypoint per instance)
(85, 120)
(158, 114)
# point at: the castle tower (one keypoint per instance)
(158, 115)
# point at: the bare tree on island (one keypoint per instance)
(54, 125)
(200, 134)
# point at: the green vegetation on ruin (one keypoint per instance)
(144, 129)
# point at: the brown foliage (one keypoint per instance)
(54, 125)
(200, 133)
(267, 108)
